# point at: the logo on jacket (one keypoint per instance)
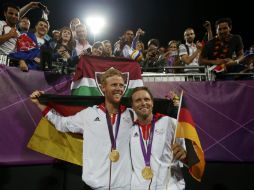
(97, 119)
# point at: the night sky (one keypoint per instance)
(162, 19)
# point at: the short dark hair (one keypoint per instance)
(222, 20)
(139, 89)
(43, 20)
(97, 44)
(11, 5)
(106, 41)
(154, 42)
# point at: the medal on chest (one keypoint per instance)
(147, 171)
(114, 155)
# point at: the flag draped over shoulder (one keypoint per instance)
(64, 146)
(186, 129)
(68, 146)
(47, 140)
(85, 82)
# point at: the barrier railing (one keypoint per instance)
(195, 73)
(204, 74)
(4, 60)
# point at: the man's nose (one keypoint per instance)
(119, 87)
(143, 102)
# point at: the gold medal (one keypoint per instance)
(147, 173)
(114, 155)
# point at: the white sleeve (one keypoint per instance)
(1, 27)
(182, 50)
(74, 124)
(126, 51)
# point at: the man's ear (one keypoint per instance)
(103, 88)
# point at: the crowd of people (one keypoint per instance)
(223, 52)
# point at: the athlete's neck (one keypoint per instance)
(145, 120)
(111, 108)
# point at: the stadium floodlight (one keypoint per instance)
(95, 24)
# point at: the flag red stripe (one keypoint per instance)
(66, 110)
(185, 116)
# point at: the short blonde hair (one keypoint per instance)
(109, 73)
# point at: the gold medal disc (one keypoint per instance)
(147, 173)
(114, 156)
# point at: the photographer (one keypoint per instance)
(152, 62)
(65, 52)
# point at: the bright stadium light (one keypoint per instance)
(95, 24)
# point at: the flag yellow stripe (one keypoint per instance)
(64, 146)
(186, 130)
(198, 169)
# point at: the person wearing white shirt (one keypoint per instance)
(156, 158)
(106, 131)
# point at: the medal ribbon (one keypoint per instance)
(147, 154)
(110, 130)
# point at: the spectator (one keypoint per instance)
(107, 51)
(151, 62)
(8, 29)
(73, 23)
(220, 50)
(24, 25)
(56, 35)
(123, 46)
(189, 52)
(65, 51)
(97, 49)
(172, 56)
(82, 43)
(250, 50)
(29, 45)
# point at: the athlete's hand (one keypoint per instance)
(34, 98)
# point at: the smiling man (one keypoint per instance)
(224, 50)
(8, 31)
(153, 147)
(105, 128)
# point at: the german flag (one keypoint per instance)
(186, 129)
